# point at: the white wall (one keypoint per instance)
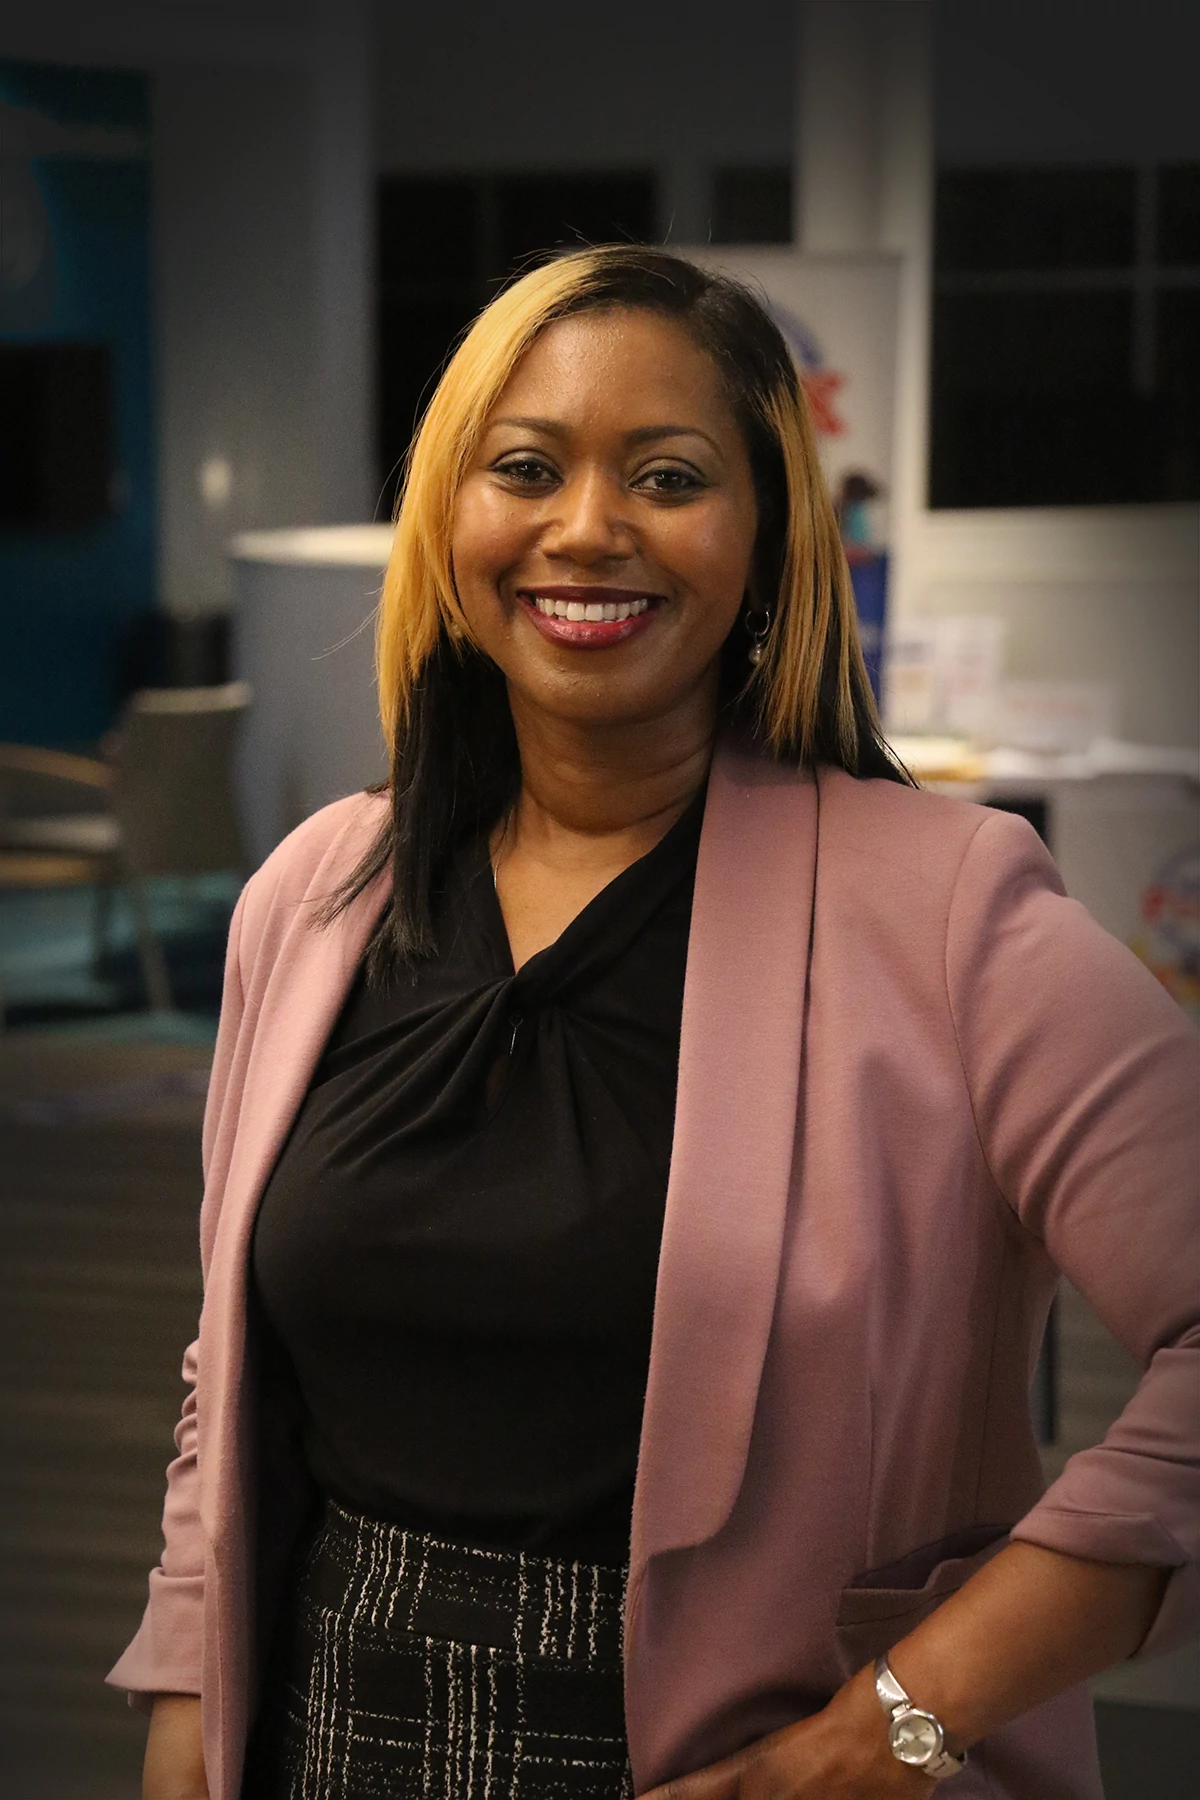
(262, 256)
(1087, 593)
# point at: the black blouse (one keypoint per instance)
(459, 1243)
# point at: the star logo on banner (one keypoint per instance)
(820, 388)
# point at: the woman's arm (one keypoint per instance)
(1082, 1079)
(1030, 1623)
(174, 1766)
(165, 1655)
(1083, 1076)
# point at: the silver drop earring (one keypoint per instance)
(758, 624)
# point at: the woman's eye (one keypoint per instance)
(525, 471)
(670, 480)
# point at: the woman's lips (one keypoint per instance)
(589, 618)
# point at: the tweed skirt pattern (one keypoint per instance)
(407, 1667)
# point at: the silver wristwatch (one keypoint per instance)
(916, 1737)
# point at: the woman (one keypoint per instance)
(503, 1210)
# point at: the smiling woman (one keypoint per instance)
(613, 408)
(641, 1147)
(563, 517)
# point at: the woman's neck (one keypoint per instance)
(604, 795)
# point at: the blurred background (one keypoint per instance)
(237, 241)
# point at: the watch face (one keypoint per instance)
(916, 1738)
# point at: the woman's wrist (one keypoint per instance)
(962, 1715)
(174, 1764)
(1030, 1624)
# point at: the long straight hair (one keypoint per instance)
(454, 763)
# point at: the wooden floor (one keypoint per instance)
(99, 1293)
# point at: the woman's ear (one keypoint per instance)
(451, 612)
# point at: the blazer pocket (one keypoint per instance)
(882, 1605)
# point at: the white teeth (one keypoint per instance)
(610, 611)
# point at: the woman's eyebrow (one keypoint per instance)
(548, 427)
(643, 434)
(646, 434)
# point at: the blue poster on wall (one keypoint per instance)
(77, 519)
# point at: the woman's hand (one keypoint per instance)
(174, 1765)
(1029, 1624)
(841, 1753)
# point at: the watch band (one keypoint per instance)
(903, 1715)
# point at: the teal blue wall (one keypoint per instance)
(68, 598)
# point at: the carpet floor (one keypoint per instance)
(99, 1293)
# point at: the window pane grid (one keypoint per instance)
(1066, 309)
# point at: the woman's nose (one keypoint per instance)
(591, 521)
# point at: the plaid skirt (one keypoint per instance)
(405, 1666)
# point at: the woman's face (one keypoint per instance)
(604, 532)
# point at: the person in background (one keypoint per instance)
(642, 1144)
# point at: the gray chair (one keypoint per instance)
(161, 803)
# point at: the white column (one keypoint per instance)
(234, 243)
(683, 202)
(906, 201)
(864, 185)
(263, 191)
(837, 137)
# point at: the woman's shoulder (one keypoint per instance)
(314, 859)
(904, 827)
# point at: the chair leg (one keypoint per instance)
(150, 951)
(102, 905)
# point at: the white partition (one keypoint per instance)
(304, 639)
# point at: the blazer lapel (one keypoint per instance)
(731, 1159)
(309, 977)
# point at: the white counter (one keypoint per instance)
(304, 618)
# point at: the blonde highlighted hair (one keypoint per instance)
(454, 764)
(812, 656)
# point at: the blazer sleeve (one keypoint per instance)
(165, 1655)
(1084, 1078)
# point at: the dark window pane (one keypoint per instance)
(1179, 341)
(751, 206)
(1032, 403)
(446, 243)
(56, 444)
(1179, 213)
(428, 228)
(1179, 393)
(1030, 450)
(540, 213)
(415, 338)
(1035, 219)
(1031, 342)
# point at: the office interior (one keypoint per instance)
(238, 244)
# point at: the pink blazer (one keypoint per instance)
(914, 1082)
